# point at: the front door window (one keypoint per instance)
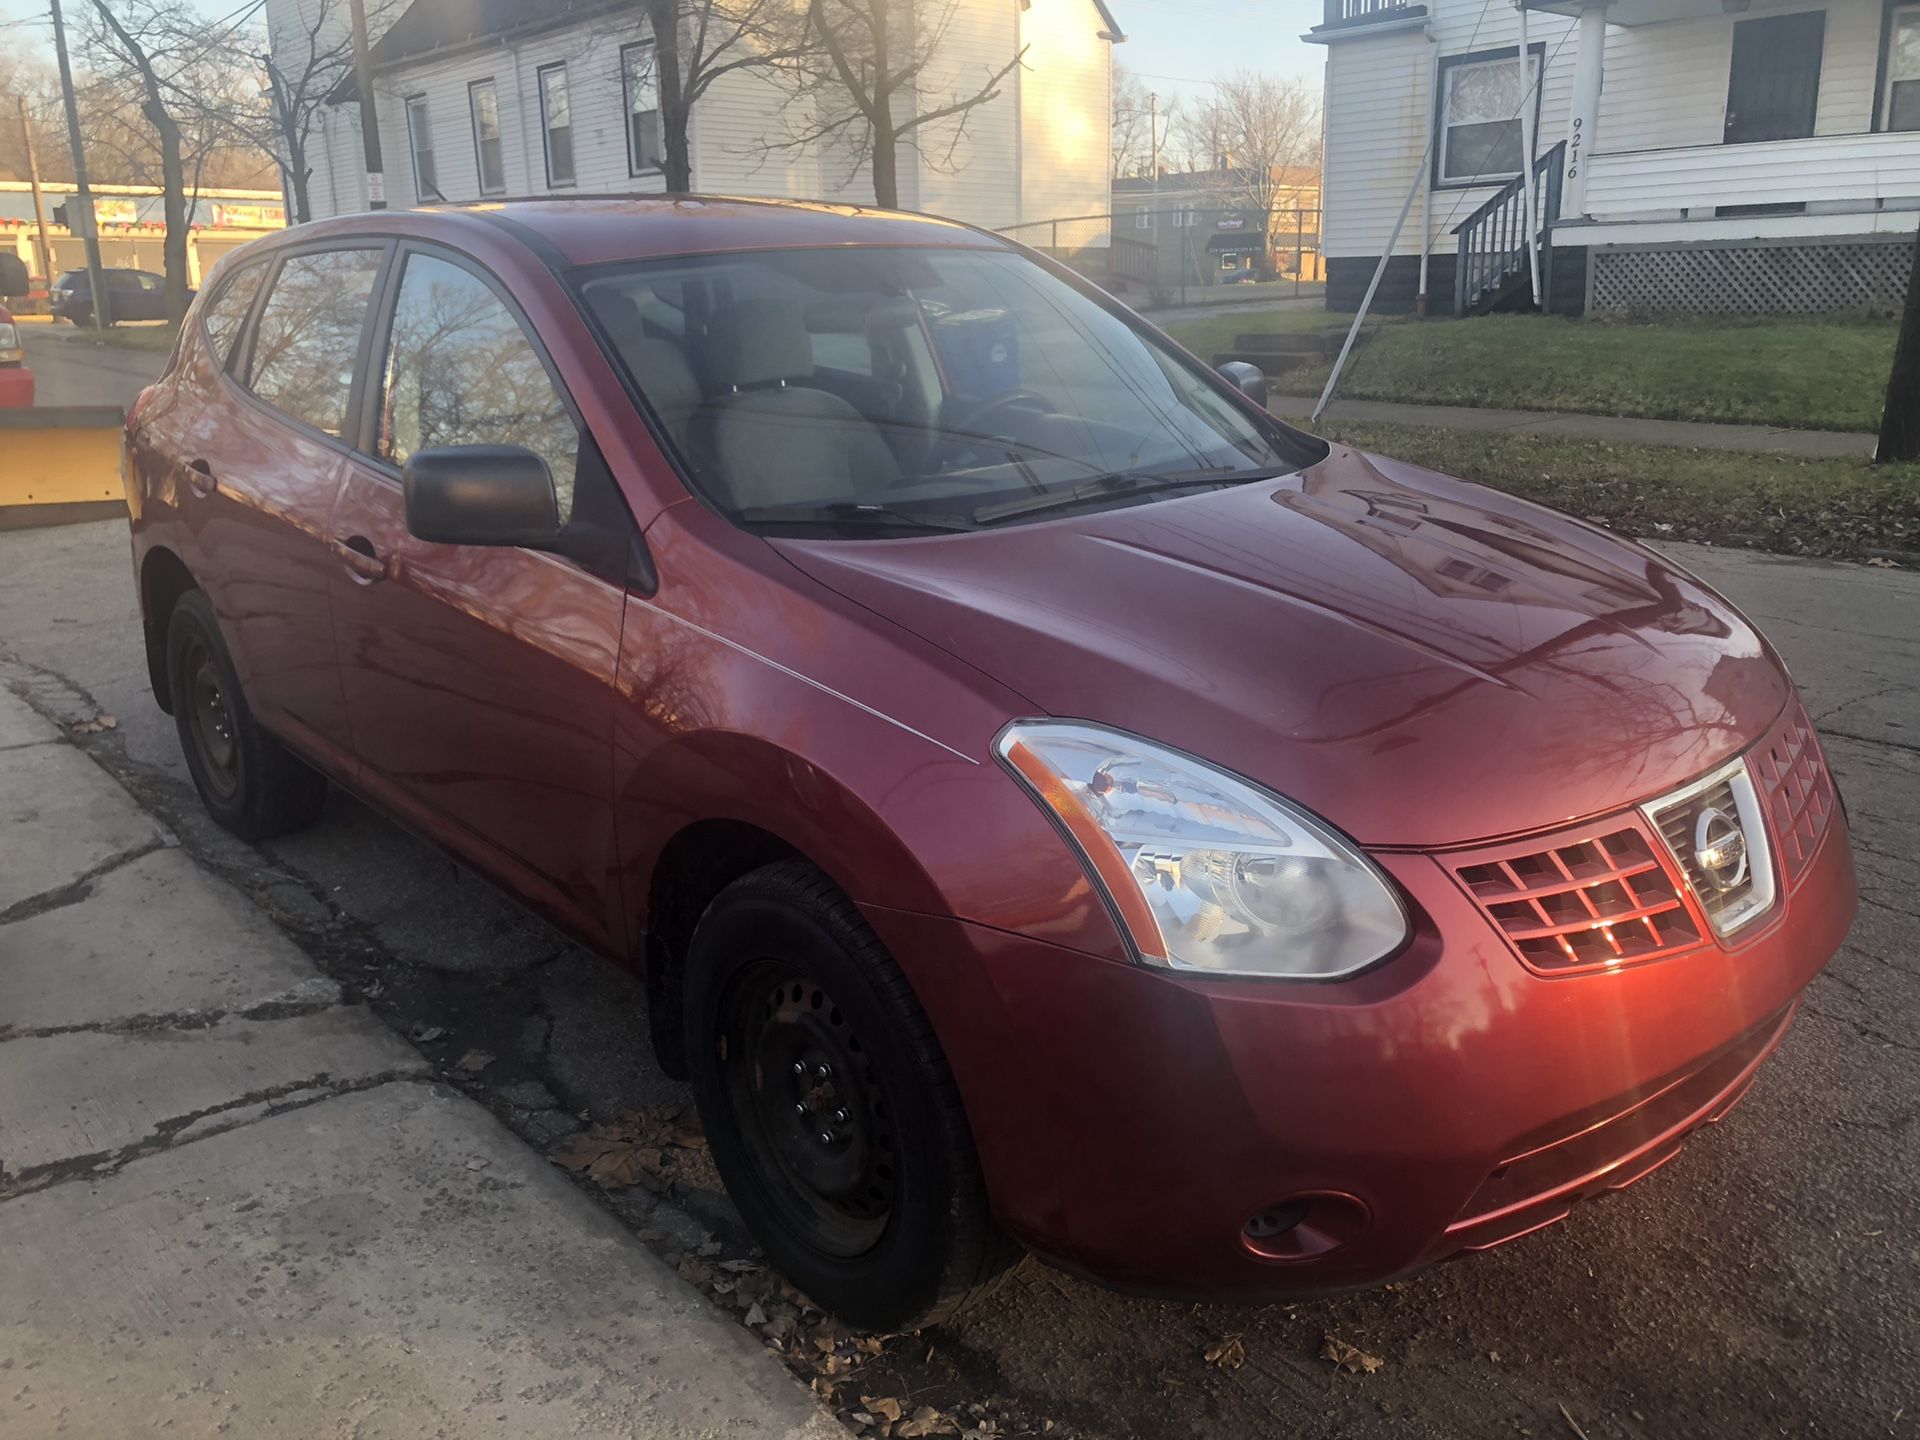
(1773, 88)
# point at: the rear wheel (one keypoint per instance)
(830, 1110)
(247, 780)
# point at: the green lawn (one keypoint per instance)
(1207, 337)
(1806, 374)
(1837, 508)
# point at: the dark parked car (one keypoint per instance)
(131, 295)
(1052, 802)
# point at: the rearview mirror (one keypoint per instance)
(1249, 380)
(480, 495)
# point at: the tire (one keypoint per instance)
(859, 1181)
(248, 781)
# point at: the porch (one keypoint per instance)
(1723, 155)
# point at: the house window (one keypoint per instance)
(642, 87)
(556, 120)
(1480, 100)
(483, 104)
(1143, 219)
(426, 185)
(1902, 102)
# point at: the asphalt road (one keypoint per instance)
(1765, 1282)
(69, 370)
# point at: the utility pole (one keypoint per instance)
(1900, 420)
(39, 204)
(369, 119)
(82, 192)
(1153, 134)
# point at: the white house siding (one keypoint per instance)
(1066, 97)
(1665, 86)
(1040, 149)
(972, 170)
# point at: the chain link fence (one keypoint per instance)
(1176, 254)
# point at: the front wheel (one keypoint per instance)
(830, 1110)
(247, 780)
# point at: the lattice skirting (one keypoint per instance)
(1802, 277)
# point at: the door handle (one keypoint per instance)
(360, 557)
(200, 477)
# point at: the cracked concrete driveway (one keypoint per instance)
(1767, 1281)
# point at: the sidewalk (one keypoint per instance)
(1685, 434)
(230, 1201)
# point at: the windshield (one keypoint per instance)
(872, 390)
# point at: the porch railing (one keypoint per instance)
(1492, 256)
(1349, 12)
(1832, 173)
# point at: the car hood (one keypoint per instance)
(1422, 661)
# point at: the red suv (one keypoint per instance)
(1052, 802)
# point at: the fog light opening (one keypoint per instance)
(1304, 1227)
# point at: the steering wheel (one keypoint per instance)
(970, 425)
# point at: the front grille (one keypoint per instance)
(1722, 807)
(1798, 788)
(1580, 900)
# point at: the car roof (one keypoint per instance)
(601, 229)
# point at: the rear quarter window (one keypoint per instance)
(222, 316)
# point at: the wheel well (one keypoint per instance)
(696, 865)
(164, 578)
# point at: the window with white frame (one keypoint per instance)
(1480, 135)
(483, 104)
(426, 184)
(642, 86)
(556, 123)
(1900, 107)
(1143, 219)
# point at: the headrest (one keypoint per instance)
(617, 312)
(753, 341)
(664, 375)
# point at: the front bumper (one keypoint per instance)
(1131, 1123)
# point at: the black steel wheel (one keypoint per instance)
(247, 780)
(831, 1112)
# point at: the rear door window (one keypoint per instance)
(461, 371)
(223, 315)
(306, 343)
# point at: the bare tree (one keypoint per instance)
(1252, 133)
(863, 71)
(698, 41)
(161, 58)
(303, 65)
(1136, 117)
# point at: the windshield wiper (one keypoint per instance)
(1121, 482)
(844, 513)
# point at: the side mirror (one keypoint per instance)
(480, 495)
(1250, 380)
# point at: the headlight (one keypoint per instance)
(9, 336)
(1209, 873)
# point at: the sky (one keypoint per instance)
(1175, 46)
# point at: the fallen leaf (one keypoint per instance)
(95, 725)
(869, 1345)
(924, 1421)
(478, 1163)
(474, 1061)
(755, 1315)
(1880, 562)
(1350, 1358)
(694, 1272)
(426, 1034)
(885, 1406)
(1227, 1352)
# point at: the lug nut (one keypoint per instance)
(841, 1116)
(826, 1137)
(822, 1072)
(799, 1067)
(800, 1109)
